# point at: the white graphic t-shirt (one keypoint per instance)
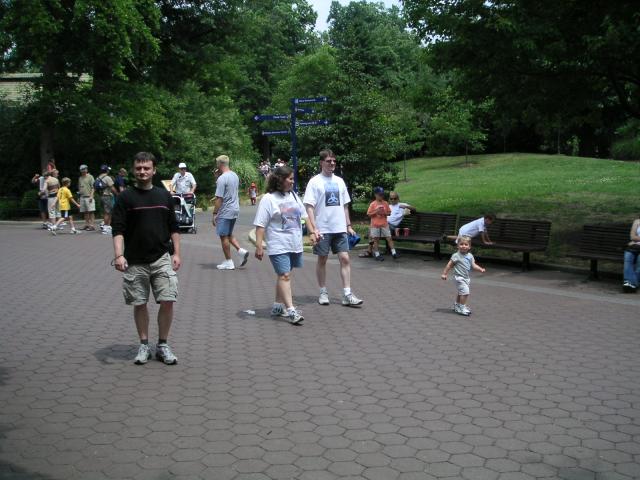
(328, 196)
(280, 214)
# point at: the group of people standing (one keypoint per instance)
(265, 167)
(55, 198)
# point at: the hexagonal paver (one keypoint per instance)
(398, 389)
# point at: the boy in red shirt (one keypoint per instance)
(378, 211)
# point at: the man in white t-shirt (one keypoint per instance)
(326, 200)
(475, 228)
(183, 181)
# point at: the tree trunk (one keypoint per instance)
(46, 146)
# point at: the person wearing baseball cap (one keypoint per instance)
(183, 181)
(87, 203)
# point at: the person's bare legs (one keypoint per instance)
(165, 318)
(279, 298)
(235, 244)
(390, 243)
(283, 290)
(321, 271)
(226, 247)
(462, 299)
(345, 269)
(376, 245)
(107, 219)
(141, 317)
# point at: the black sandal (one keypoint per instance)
(366, 255)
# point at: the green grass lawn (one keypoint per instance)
(568, 191)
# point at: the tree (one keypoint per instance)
(64, 39)
(567, 63)
(201, 128)
(453, 126)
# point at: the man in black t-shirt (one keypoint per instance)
(144, 233)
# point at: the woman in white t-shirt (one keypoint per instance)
(279, 219)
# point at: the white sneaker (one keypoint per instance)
(294, 317)
(144, 354)
(53, 230)
(164, 354)
(455, 307)
(74, 231)
(323, 299)
(462, 310)
(351, 300)
(277, 309)
(244, 255)
(226, 265)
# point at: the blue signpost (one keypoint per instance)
(275, 132)
(294, 124)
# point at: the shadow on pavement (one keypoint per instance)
(10, 471)
(445, 310)
(262, 314)
(115, 353)
(4, 375)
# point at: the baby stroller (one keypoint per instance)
(185, 209)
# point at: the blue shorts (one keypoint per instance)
(224, 226)
(285, 262)
(336, 242)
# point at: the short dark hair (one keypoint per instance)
(143, 157)
(275, 180)
(326, 153)
(490, 216)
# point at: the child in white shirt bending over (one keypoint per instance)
(462, 262)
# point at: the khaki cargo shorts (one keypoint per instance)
(87, 205)
(157, 276)
(379, 232)
(107, 204)
(53, 206)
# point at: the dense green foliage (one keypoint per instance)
(184, 79)
(554, 70)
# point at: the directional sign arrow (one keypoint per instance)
(310, 100)
(312, 123)
(275, 132)
(278, 116)
(305, 110)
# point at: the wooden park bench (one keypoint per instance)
(603, 242)
(515, 235)
(427, 228)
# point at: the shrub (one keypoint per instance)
(29, 200)
(627, 145)
(626, 149)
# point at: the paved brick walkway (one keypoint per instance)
(542, 382)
